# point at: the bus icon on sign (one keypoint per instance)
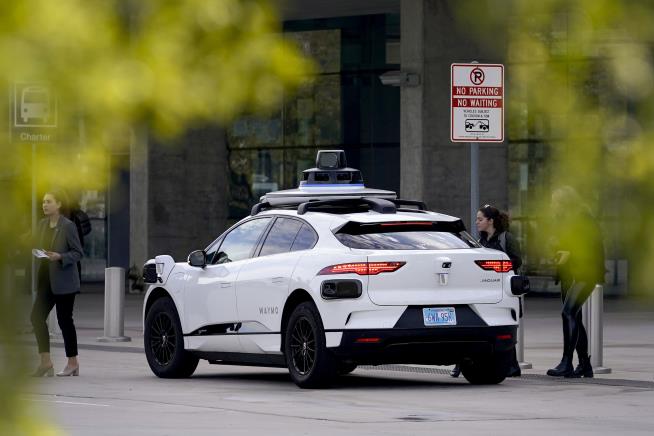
(35, 104)
(473, 125)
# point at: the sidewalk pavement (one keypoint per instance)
(628, 333)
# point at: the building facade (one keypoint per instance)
(175, 198)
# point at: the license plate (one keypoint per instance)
(439, 316)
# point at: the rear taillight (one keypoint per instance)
(495, 265)
(362, 268)
(408, 223)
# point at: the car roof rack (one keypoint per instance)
(303, 205)
(378, 205)
(260, 207)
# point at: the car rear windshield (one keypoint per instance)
(424, 235)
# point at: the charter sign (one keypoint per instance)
(477, 103)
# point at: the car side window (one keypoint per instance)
(211, 250)
(306, 238)
(281, 236)
(240, 242)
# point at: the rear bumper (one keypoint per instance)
(428, 346)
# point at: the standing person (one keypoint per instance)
(492, 225)
(58, 282)
(580, 266)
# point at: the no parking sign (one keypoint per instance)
(477, 103)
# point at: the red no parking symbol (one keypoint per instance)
(477, 76)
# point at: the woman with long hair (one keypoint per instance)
(58, 282)
(493, 227)
(580, 266)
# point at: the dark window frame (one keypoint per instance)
(221, 239)
(262, 240)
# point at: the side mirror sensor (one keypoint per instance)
(198, 258)
(519, 285)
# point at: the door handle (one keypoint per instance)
(225, 284)
(278, 280)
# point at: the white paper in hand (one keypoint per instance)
(38, 253)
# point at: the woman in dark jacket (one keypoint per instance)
(580, 264)
(58, 283)
(492, 225)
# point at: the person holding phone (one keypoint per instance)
(580, 266)
(57, 283)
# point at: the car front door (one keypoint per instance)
(210, 294)
(263, 284)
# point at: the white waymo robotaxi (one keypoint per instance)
(333, 275)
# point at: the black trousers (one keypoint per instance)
(45, 301)
(574, 334)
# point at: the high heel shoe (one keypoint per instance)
(67, 371)
(43, 371)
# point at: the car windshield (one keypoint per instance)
(406, 236)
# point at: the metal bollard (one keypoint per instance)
(594, 312)
(114, 306)
(596, 340)
(520, 351)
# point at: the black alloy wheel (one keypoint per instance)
(303, 346)
(310, 363)
(162, 338)
(164, 342)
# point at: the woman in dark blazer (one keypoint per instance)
(58, 283)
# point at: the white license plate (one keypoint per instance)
(439, 316)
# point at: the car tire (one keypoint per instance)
(163, 341)
(487, 370)
(309, 362)
(345, 368)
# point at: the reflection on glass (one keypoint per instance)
(345, 106)
(94, 262)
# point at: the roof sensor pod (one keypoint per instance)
(331, 169)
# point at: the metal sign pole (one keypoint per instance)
(474, 187)
(53, 325)
(33, 195)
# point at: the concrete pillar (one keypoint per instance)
(433, 168)
(411, 101)
(188, 197)
(138, 191)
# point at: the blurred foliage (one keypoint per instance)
(580, 78)
(117, 67)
